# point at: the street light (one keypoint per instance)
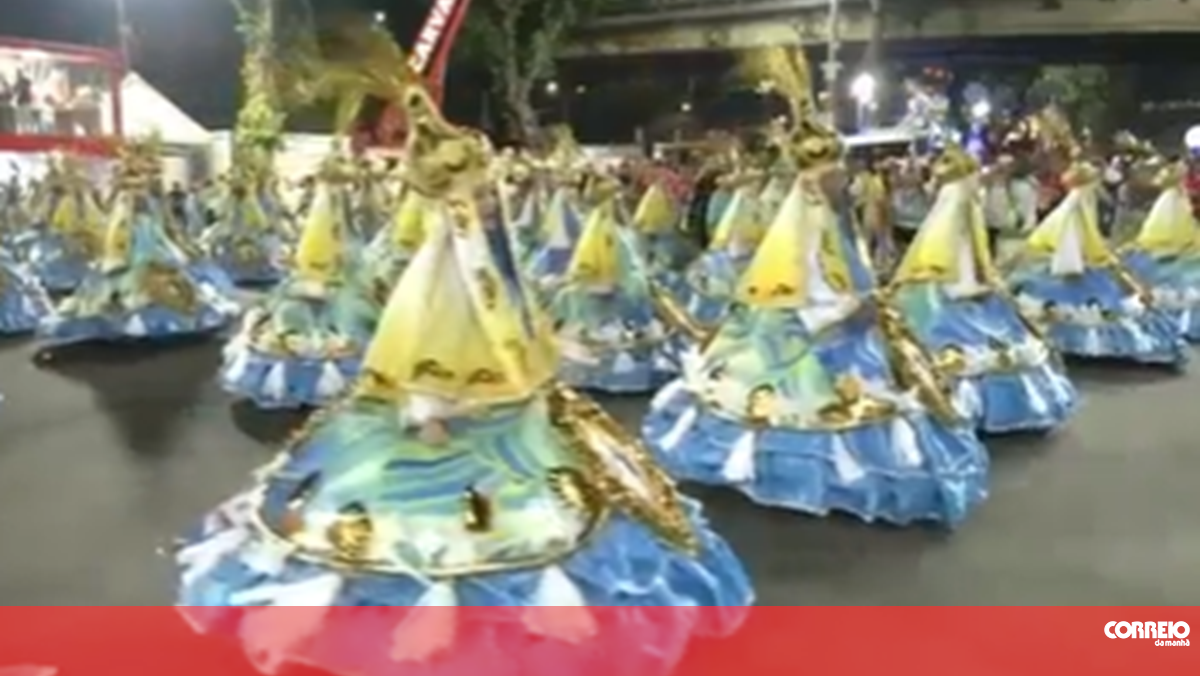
(981, 110)
(863, 89)
(685, 107)
(380, 18)
(552, 88)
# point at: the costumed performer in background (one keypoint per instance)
(952, 296)
(813, 395)
(302, 346)
(490, 519)
(142, 286)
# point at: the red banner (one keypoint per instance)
(777, 641)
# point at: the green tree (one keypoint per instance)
(518, 43)
(1081, 91)
(258, 132)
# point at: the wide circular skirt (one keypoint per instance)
(908, 469)
(623, 604)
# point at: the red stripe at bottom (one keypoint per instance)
(154, 641)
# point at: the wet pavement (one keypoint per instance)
(105, 454)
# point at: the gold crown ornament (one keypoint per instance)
(954, 164)
(1080, 173)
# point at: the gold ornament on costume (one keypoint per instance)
(352, 535)
(166, 286)
(855, 406)
(954, 164)
(620, 469)
(1081, 173)
(494, 345)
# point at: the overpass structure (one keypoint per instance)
(662, 26)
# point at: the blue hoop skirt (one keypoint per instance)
(1175, 285)
(332, 334)
(145, 302)
(23, 303)
(625, 349)
(57, 261)
(1094, 315)
(910, 468)
(1014, 380)
(706, 289)
(645, 600)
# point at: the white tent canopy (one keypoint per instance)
(146, 111)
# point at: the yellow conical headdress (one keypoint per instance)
(595, 259)
(956, 220)
(408, 223)
(493, 345)
(954, 164)
(1075, 217)
(1170, 227)
(655, 212)
(318, 256)
(803, 233)
(812, 144)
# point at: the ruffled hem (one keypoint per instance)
(21, 311)
(278, 382)
(621, 372)
(1153, 338)
(1189, 323)
(918, 470)
(624, 597)
(149, 323)
(1032, 400)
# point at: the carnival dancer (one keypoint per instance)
(522, 195)
(1165, 254)
(67, 227)
(707, 288)
(1066, 277)
(493, 521)
(605, 312)
(665, 248)
(302, 346)
(142, 286)
(951, 295)
(558, 234)
(244, 241)
(813, 395)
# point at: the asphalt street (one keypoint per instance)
(106, 453)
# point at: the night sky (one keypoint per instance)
(186, 48)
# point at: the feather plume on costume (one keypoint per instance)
(351, 60)
(811, 142)
(786, 71)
